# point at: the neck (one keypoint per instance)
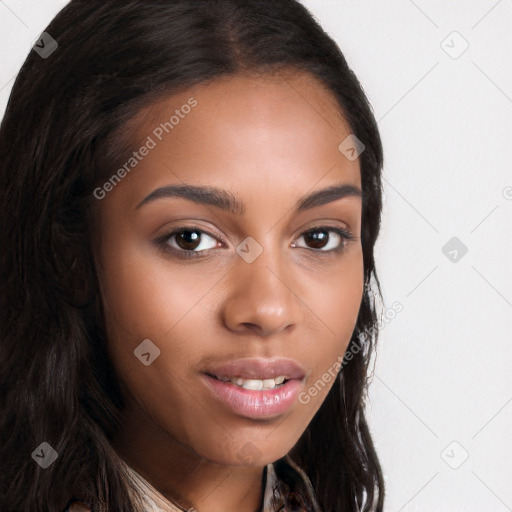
(182, 476)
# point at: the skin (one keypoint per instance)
(269, 140)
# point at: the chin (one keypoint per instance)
(249, 452)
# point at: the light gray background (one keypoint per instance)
(440, 403)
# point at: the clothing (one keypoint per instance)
(277, 496)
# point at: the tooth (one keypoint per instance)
(257, 385)
(269, 383)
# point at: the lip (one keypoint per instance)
(258, 368)
(254, 404)
(250, 403)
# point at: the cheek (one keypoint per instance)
(336, 304)
(145, 296)
(337, 295)
(149, 297)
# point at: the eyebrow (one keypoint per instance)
(225, 200)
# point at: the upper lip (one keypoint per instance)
(258, 368)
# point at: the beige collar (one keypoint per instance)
(154, 501)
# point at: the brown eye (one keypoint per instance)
(326, 239)
(185, 241)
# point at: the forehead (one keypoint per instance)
(258, 101)
(253, 132)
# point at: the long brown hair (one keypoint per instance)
(57, 384)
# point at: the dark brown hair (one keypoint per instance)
(61, 125)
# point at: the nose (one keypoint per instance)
(262, 296)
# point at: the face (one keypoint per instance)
(235, 271)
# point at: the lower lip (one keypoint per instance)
(251, 403)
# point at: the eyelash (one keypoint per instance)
(162, 241)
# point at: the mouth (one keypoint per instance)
(256, 388)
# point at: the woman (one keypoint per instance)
(142, 369)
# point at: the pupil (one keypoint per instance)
(317, 238)
(188, 239)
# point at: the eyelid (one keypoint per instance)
(212, 232)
